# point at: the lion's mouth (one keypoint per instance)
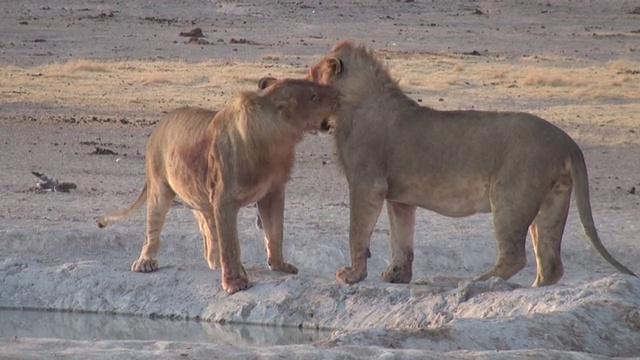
(327, 125)
(324, 125)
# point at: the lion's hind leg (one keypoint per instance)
(271, 212)
(546, 234)
(207, 225)
(402, 222)
(159, 199)
(510, 228)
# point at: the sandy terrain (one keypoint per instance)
(76, 76)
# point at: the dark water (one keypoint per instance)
(76, 326)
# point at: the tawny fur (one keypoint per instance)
(515, 165)
(219, 162)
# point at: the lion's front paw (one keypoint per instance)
(144, 265)
(234, 284)
(399, 274)
(285, 268)
(348, 275)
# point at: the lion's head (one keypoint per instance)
(300, 92)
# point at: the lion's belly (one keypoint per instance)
(256, 193)
(449, 197)
(188, 181)
(192, 192)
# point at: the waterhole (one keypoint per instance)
(85, 326)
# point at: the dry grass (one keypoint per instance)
(85, 65)
(550, 77)
(555, 89)
(271, 57)
(149, 79)
(459, 67)
(148, 85)
(75, 68)
(625, 66)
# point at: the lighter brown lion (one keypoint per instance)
(219, 162)
(517, 166)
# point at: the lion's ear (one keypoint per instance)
(335, 65)
(265, 82)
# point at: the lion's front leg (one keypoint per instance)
(365, 204)
(234, 277)
(402, 221)
(271, 210)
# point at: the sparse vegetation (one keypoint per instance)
(445, 81)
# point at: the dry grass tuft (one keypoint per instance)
(458, 67)
(152, 78)
(627, 67)
(271, 57)
(552, 77)
(84, 65)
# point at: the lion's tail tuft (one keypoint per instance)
(104, 220)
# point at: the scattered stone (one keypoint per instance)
(159, 20)
(101, 16)
(197, 41)
(634, 318)
(195, 32)
(635, 11)
(103, 151)
(243, 41)
(631, 190)
(46, 184)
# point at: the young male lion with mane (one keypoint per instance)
(219, 162)
(517, 166)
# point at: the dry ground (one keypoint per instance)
(77, 75)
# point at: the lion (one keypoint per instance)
(517, 166)
(219, 162)
(325, 126)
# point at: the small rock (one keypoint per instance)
(196, 32)
(104, 151)
(634, 318)
(46, 184)
(197, 41)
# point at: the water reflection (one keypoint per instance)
(76, 326)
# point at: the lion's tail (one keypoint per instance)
(581, 181)
(137, 203)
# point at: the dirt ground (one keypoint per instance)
(83, 82)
